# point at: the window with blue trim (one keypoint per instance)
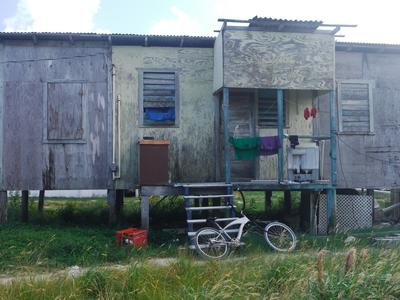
(159, 97)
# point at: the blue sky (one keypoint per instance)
(377, 21)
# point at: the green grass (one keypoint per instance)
(75, 232)
(270, 276)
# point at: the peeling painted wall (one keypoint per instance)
(50, 142)
(192, 141)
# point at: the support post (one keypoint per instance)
(41, 201)
(287, 199)
(394, 199)
(305, 203)
(145, 212)
(280, 134)
(3, 207)
(119, 203)
(187, 205)
(332, 191)
(24, 206)
(267, 201)
(225, 108)
(112, 199)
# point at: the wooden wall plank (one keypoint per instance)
(59, 163)
(259, 59)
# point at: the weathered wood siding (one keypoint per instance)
(295, 102)
(56, 115)
(260, 59)
(369, 160)
(192, 141)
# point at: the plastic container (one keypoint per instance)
(131, 237)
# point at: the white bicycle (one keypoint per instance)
(216, 241)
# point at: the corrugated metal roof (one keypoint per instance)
(115, 39)
(284, 25)
(368, 47)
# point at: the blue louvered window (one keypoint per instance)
(159, 98)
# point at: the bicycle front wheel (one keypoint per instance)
(211, 243)
(280, 237)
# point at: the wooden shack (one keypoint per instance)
(77, 110)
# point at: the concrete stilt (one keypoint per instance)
(267, 200)
(41, 200)
(112, 211)
(145, 212)
(24, 206)
(3, 207)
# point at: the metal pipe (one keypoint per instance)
(280, 134)
(114, 120)
(338, 25)
(119, 135)
(115, 171)
(333, 137)
(233, 20)
(225, 107)
(331, 203)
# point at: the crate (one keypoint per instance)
(131, 237)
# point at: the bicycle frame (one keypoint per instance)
(240, 221)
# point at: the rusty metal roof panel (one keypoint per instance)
(115, 39)
(284, 25)
(368, 47)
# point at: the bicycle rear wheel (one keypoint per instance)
(211, 243)
(280, 237)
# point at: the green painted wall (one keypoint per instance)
(192, 142)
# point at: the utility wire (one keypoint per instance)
(364, 154)
(49, 58)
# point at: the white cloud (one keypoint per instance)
(52, 15)
(179, 24)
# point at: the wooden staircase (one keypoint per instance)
(203, 200)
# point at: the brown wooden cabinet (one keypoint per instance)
(153, 162)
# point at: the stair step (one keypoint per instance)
(207, 196)
(196, 221)
(193, 233)
(208, 208)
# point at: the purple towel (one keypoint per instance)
(269, 145)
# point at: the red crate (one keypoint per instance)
(131, 237)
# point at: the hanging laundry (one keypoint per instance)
(306, 113)
(269, 145)
(245, 147)
(294, 141)
(313, 112)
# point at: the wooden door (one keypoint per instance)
(241, 124)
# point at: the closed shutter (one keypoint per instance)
(355, 102)
(159, 98)
(268, 109)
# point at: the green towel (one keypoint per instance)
(246, 147)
